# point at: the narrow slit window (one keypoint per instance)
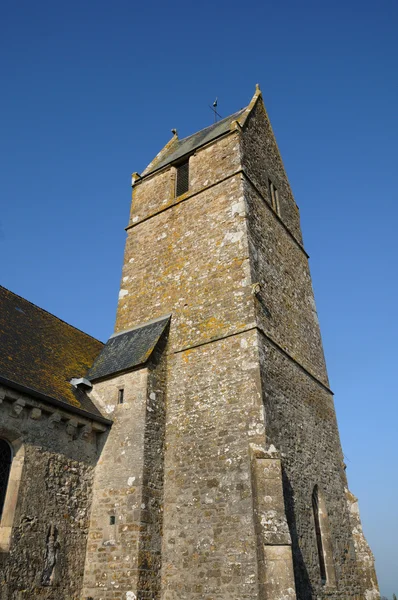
(5, 466)
(112, 520)
(277, 208)
(274, 197)
(318, 533)
(120, 396)
(182, 182)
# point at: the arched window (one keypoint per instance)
(323, 539)
(5, 466)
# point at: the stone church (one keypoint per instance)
(196, 454)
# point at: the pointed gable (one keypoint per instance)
(177, 149)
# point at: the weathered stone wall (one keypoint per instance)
(191, 260)
(275, 564)
(300, 415)
(262, 161)
(365, 558)
(285, 305)
(115, 522)
(157, 192)
(301, 423)
(123, 550)
(214, 412)
(46, 514)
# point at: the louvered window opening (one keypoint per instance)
(5, 466)
(318, 532)
(182, 184)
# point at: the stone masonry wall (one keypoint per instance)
(49, 508)
(192, 261)
(214, 413)
(285, 304)
(157, 192)
(123, 551)
(111, 568)
(300, 416)
(301, 423)
(262, 161)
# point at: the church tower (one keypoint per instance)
(222, 477)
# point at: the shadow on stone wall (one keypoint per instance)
(304, 589)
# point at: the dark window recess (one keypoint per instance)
(182, 183)
(318, 532)
(112, 520)
(274, 197)
(120, 396)
(5, 466)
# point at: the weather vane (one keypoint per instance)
(214, 109)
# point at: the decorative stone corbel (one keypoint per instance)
(86, 431)
(71, 428)
(35, 414)
(53, 420)
(17, 407)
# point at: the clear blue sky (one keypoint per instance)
(90, 91)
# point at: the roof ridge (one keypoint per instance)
(212, 125)
(51, 314)
(140, 325)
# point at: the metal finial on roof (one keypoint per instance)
(214, 109)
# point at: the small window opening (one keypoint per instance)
(274, 197)
(182, 182)
(112, 520)
(318, 532)
(5, 466)
(120, 396)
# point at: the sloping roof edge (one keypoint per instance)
(53, 401)
(243, 118)
(177, 149)
(152, 165)
(187, 145)
(128, 349)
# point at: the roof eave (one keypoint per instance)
(53, 401)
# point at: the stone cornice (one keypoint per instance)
(25, 398)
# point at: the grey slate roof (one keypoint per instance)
(192, 142)
(128, 349)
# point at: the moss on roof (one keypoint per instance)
(43, 353)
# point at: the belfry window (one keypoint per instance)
(182, 180)
(5, 466)
(318, 533)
